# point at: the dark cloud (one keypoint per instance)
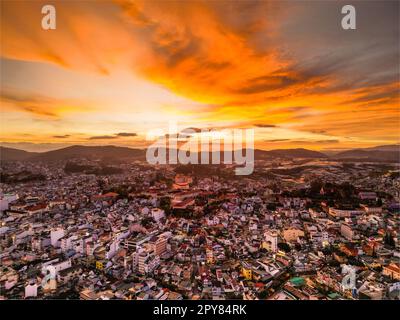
(300, 141)
(261, 125)
(102, 137)
(319, 131)
(328, 141)
(386, 95)
(176, 48)
(265, 83)
(116, 136)
(126, 134)
(277, 140)
(191, 130)
(62, 136)
(321, 49)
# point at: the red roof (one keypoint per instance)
(36, 207)
(106, 195)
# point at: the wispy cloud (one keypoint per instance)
(40, 106)
(37, 105)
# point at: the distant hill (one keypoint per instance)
(11, 154)
(388, 147)
(380, 153)
(73, 152)
(290, 153)
(387, 153)
(89, 152)
(114, 152)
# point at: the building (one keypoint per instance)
(182, 182)
(347, 231)
(247, 271)
(56, 235)
(392, 270)
(367, 195)
(157, 214)
(344, 213)
(88, 294)
(6, 199)
(100, 264)
(66, 243)
(147, 261)
(159, 244)
(271, 240)
(69, 273)
(292, 234)
(31, 290)
(54, 267)
(370, 209)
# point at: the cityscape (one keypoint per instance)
(306, 207)
(89, 228)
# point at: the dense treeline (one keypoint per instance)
(20, 177)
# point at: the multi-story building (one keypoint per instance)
(271, 240)
(56, 235)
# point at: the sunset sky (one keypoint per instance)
(112, 70)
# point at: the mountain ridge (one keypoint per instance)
(378, 153)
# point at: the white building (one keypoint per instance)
(6, 199)
(147, 261)
(113, 248)
(53, 267)
(67, 243)
(31, 290)
(271, 239)
(56, 235)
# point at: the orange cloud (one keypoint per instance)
(40, 106)
(241, 63)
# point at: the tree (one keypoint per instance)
(146, 222)
(263, 294)
(388, 240)
(315, 186)
(284, 246)
(165, 204)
